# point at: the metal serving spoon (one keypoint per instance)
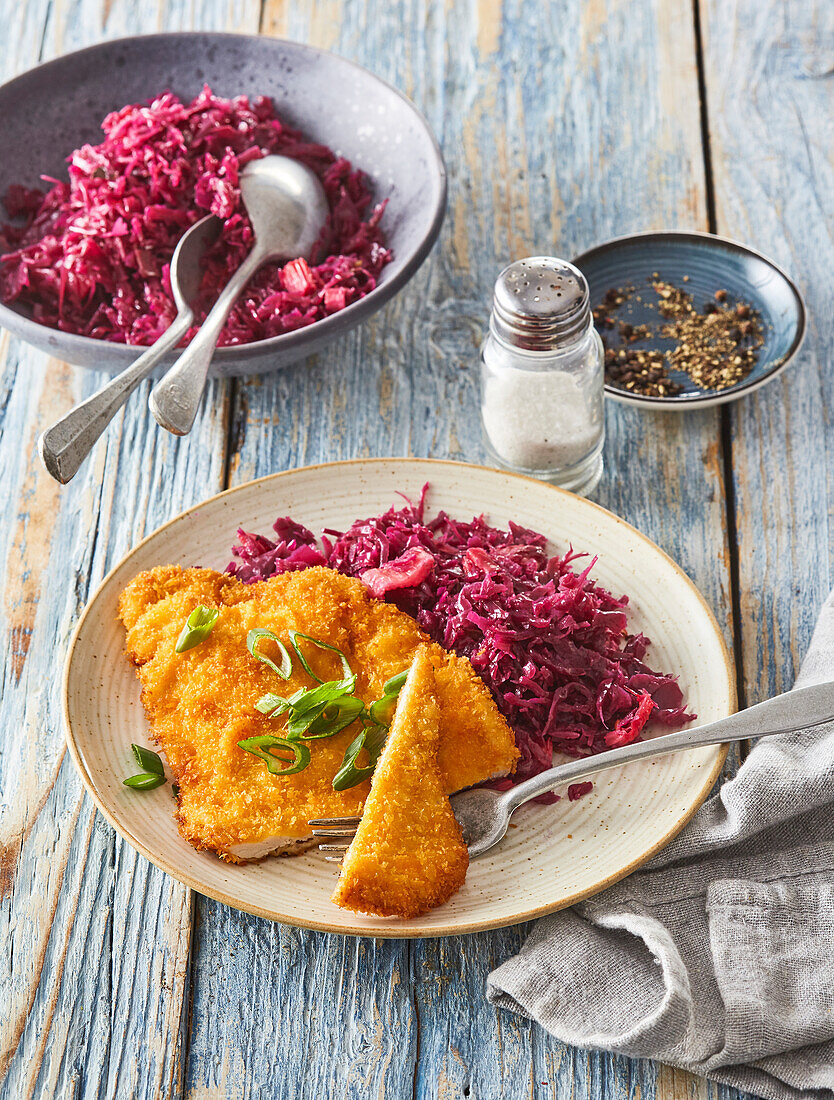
(484, 815)
(288, 208)
(65, 445)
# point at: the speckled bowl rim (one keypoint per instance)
(401, 930)
(706, 399)
(328, 327)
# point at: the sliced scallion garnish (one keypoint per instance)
(349, 677)
(148, 760)
(261, 745)
(382, 710)
(153, 774)
(145, 781)
(393, 686)
(334, 718)
(372, 738)
(253, 641)
(272, 705)
(319, 712)
(197, 627)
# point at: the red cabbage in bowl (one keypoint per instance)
(92, 256)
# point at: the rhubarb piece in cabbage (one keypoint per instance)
(406, 571)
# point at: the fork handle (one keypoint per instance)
(795, 710)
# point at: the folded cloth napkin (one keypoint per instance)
(718, 955)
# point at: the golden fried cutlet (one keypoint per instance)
(202, 702)
(408, 855)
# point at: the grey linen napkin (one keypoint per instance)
(718, 955)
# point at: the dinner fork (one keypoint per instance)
(484, 815)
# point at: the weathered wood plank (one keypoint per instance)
(94, 982)
(770, 99)
(95, 1006)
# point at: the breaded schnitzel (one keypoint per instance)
(201, 703)
(408, 855)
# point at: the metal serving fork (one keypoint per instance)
(484, 815)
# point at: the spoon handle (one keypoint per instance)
(799, 709)
(175, 399)
(65, 445)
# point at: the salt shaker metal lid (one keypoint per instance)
(540, 303)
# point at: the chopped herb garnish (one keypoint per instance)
(197, 627)
(392, 686)
(309, 704)
(145, 781)
(382, 710)
(253, 641)
(349, 678)
(260, 746)
(153, 774)
(372, 738)
(334, 718)
(148, 759)
(322, 711)
(271, 704)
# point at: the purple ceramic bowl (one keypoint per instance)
(52, 109)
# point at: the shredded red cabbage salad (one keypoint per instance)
(92, 256)
(552, 645)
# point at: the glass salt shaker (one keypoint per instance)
(542, 376)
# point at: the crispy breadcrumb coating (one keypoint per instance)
(202, 702)
(408, 855)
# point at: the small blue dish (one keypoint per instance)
(710, 264)
(53, 109)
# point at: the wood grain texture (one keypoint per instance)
(93, 983)
(770, 97)
(562, 125)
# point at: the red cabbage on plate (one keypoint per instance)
(551, 644)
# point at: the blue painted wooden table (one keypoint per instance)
(562, 124)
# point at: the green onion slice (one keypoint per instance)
(371, 738)
(260, 746)
(392, 686)
(197, 627)
(272, 705)
(382, 711)
(253, 641)
(145, 781)
(349, 678)
(334, 718)
(148, 760)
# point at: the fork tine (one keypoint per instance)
(340, 829)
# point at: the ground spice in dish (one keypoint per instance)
(716, 346)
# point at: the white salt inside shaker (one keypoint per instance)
(542, 375)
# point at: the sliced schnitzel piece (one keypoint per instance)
(408, 855)
(201, 703)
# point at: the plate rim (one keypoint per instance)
(398, 930)
(706, 398)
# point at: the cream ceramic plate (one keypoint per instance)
(552, 855)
